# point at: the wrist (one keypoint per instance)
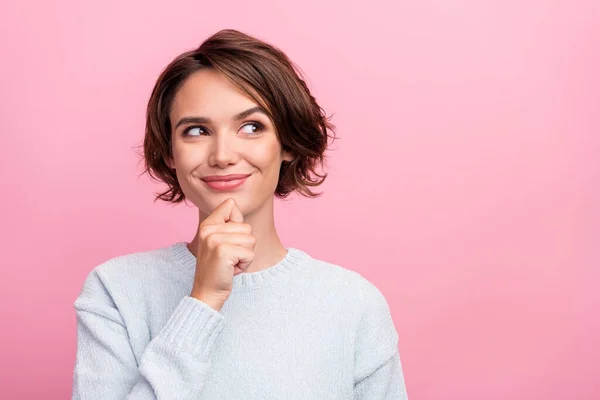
(211, 301)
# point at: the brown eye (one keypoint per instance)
(258, 128)
(193, 131)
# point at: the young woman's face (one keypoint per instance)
(211, 137)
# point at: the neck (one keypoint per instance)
(268, 250)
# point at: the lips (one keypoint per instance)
(225, 183)
(224, 178)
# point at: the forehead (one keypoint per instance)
(209, 93)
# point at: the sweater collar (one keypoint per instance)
(294, 261)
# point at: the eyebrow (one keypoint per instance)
(206, 120)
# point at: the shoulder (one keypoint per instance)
(327, 271)
(127, 273)
(375, 334)
(134, 264)
(367, 296)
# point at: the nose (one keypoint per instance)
(222, 151)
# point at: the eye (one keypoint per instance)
(193, 131)
(255, 129)
(258, 128)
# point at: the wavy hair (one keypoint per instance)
(265, 74)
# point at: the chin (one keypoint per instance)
(211, 201)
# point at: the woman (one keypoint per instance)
(233, 314)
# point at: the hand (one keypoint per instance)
(225, 249)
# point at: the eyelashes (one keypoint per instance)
(203, 131)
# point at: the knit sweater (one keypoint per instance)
(300, 329)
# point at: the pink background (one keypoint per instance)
(465, 184)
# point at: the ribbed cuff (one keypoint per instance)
(192, 328)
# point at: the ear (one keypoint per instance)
(170, 162)
(287, 156)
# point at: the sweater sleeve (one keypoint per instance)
(172, 366)
(386, 382)
(378, 371)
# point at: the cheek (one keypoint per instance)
(187, 157)
(265, 155)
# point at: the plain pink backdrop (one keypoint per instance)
(465, 184)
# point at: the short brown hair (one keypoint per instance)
(267, 75)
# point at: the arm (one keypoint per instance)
(378, 371)
(386, 382)
(172, 366)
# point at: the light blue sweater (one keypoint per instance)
(301, 329)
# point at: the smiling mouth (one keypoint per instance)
(225, 184)
(231, 177)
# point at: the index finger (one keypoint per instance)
(224, 212)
